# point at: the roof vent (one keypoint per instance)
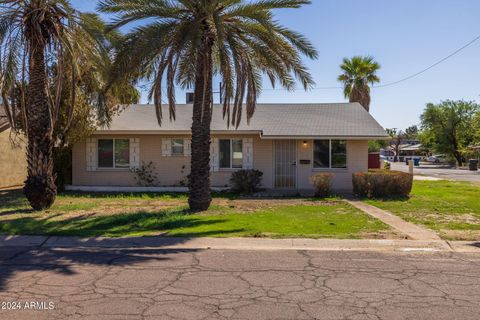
(190, 97)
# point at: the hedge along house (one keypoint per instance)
(287, 142)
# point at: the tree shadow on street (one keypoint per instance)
(16, 260)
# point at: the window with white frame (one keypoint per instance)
(114, 153)
(329, 154)
(231, 153)
(178, 147)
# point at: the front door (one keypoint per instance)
(285, 164)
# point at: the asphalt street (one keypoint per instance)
(441, 172)
(149, 283)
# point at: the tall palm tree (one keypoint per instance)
(188, 42)
(41, 41)
(358, 73)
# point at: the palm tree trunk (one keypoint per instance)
(361, 96)
(199, 181)
(40, 188)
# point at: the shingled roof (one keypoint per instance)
(329, 120)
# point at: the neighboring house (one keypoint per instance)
(287, 142)
(406, 151)
(13, 163)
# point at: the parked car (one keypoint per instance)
(437, 159)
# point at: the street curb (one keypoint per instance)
(238, 244)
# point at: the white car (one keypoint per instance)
(436, 159)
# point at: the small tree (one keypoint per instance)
(376, 145)
(476, 129)
(411, 132)
(447, 127)
(397, 138)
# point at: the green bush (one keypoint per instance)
(382, 184)
(387, 165)
(246, 181)
(322, 183)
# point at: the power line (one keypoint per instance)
(401, 80)
(430, 67)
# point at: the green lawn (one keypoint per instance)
(451, 208)
(166, 214)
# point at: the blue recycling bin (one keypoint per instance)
(416, 162)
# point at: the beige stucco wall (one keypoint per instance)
(170, 170)
(174, 168)
(357, 161)
(13, 163)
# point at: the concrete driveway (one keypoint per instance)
(152, 283)
(441, 172)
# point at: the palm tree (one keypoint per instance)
(92, 92)
(358, 73)
(40, 42)
(188, 42)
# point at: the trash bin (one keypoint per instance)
(473, 164)
(416, 162)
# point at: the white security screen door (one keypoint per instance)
(285, 155)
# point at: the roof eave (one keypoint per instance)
(242, 132)
(171, 132)
(333, 137)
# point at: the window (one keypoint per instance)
(330, 154)
(231, 154)
(177, 147)
(339, 154)
(114, 153)
(321, 159)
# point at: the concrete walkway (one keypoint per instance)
(45, 242)
(413, 231)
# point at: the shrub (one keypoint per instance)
(146, 175)
(322, 183)
(382, 184)
(387, 165)
(246, 181)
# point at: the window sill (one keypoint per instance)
(229, 169)
(330, 169)
(113, 170)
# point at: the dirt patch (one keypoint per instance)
(383, 234)
(252, 205)
(465, 235)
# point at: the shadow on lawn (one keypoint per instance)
(13, 198)
(111, 225)
(384, 199)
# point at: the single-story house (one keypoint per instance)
(287, 142)
(406, 151)
(13, 162)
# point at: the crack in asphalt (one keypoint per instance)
(152, 284)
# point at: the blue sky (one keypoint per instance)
(404, 36)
